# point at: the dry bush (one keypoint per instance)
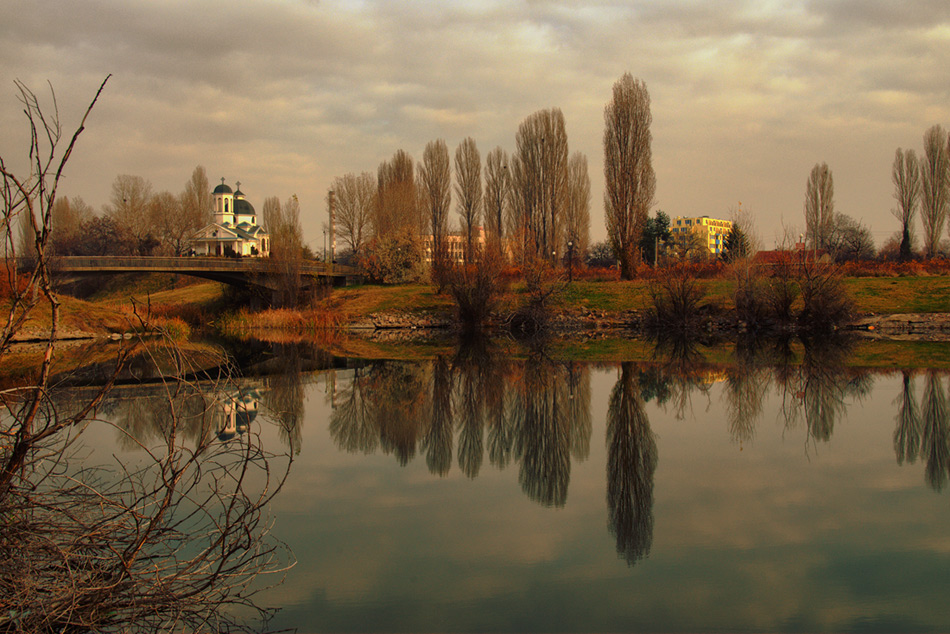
(168, 541)
(676, 299)
(783, 291)
(543, 283)
(751, 296)
(826, 301)
(476, 288)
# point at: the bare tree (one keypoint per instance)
(906, 176)
(173, 223)
(196, 200)
(67, 220)
(355, 198)
(850, 239)
(577, 210)
(935, 188)
(286, 246)
(397, 206)
(539, 181)
(28, 202)
(128, 206)
(468, 188)
(497, 197)
(163, 544)
(436, 180)
(820, 206)
(628, 169)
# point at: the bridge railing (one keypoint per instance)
(194, 263)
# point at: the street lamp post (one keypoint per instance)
(570, 260)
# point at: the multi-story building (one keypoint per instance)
(455, 242)
(712, 231)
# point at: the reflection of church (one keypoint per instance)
(234, 412)
(235, 230)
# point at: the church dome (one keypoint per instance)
(243, 208)
(222, 189)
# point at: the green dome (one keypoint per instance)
(243, 208)
(222, 189)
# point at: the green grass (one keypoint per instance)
(366, 299)
(882, 295)
(888, 295)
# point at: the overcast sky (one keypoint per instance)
(284, 95)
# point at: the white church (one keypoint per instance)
(235, 230)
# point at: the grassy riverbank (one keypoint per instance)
(881, 295)
(206, 303)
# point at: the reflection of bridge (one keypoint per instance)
(235, 271)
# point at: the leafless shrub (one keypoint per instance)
(165, 542)
(476, 288)
(826, 301)
(751, 297)
(676, 299)
(543, 283)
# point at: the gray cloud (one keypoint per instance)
(287, 95)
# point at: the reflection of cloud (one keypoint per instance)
(773, 536)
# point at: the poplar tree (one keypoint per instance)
(628, 169)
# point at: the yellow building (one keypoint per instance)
(712, 231)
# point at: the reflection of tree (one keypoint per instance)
(473, 369)
(820, 386)
(543, 434)
(352, 425)
(907, 433)
(386, 405)
(578, 386)
(541, 423)
(501, 432)
(438, 439)
(156, 543)
(655, 385)
(142, 414)
(284, 395)
(398, 397)
(745, 391)
(631, 463)
(935, 449)
(682, 369)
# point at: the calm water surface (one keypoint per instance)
(474, 493)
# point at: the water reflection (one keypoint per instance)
(908, 430)
(535, 413)
(935, 440)
(480, 409)
(817, 390)
(631, 464)
(168, 538)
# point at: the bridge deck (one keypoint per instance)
(265, 266)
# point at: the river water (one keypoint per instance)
(479, 491)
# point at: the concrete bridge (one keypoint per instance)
(262, 272)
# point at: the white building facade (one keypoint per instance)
(235, 231)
